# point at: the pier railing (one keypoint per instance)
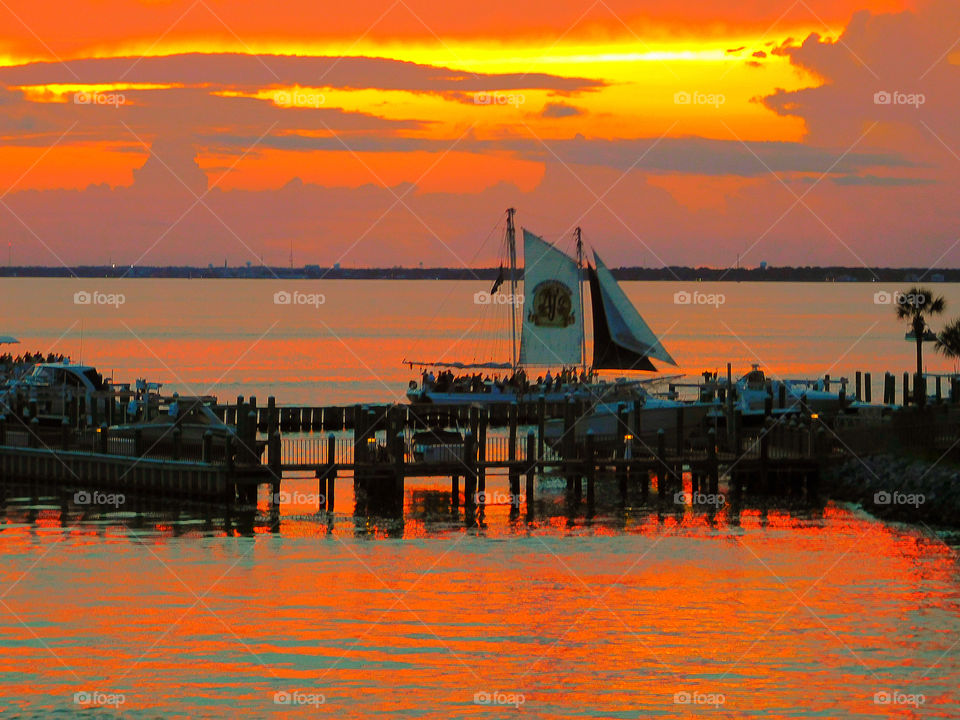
(313, 450)
(931, 433)
(123, 444)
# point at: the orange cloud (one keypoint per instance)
(705, 125)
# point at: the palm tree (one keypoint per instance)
(948, 341)
(915, 306)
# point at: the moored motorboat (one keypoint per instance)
(754, 395)
(437, 445)
(52, 387)
(193, 416)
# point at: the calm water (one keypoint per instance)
(230, 338)
(747, 612)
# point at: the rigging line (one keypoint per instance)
(482, 245)
(492, 336)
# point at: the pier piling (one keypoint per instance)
(662, 466)
(713, 466)
(531, 469)
(470, 476)
(591, 468)
(513, 471)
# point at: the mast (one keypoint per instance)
(583, 336)
(512, 248)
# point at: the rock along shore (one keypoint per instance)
(894, 487)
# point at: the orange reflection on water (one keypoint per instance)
(787, 611)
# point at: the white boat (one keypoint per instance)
(84, 378)
(752, 390)
(193, 415)
(437, 445)
(53, 384)
(549, 333)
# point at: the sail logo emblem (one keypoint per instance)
(552, 305)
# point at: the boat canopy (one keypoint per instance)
(552, 330)
(461, 365)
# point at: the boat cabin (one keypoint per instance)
(83, 378)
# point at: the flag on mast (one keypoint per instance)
(498, 282)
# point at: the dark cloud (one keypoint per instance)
(700, 156)
(560, 110)
(232, 70)
(703, 156)
(878, 181)
(878, 60)
(184, 111)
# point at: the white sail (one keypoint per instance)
(552, 330)
(627, 328)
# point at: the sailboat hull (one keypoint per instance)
(419, 395)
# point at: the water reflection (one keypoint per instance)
(622, 610)
(429, 509)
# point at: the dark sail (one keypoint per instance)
(607, 354)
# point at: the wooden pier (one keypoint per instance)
(371, 444)
(98, 460)
(779, 458)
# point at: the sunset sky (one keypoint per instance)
(396, 133)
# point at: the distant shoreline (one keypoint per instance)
(669, 274)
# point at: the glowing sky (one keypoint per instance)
(396, 133)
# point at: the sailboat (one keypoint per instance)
(551, 333)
